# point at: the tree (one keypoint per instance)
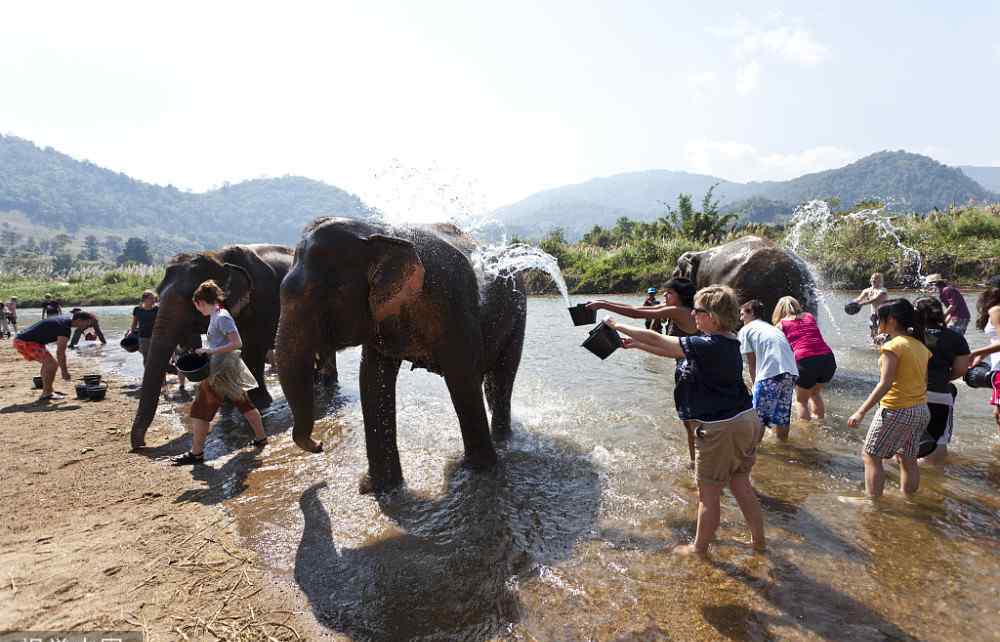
(10, 239)
(136, 251)
(708, 225)
(113, 244)
(91, 249)
(62, 263)
(58, 243)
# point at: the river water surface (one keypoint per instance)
(568, 538)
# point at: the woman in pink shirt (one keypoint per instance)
(813, 356)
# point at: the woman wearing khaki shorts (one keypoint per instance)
(712, 398)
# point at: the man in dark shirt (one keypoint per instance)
(656, 325)
(50, 307)
(31, 344)
(956, 312)
(143, 320)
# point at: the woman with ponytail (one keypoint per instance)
(988, 320)
(901, 395)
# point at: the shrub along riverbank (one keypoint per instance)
(961, 243)
(82, 288)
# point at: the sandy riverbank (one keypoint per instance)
(94, 537)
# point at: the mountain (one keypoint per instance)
(908, 182)
(53, 190)
(988, 177)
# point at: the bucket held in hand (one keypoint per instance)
(852, 308)
(980, 376)
(194, 366)
(603, 340)
(581, 315)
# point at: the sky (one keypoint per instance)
(487, 103)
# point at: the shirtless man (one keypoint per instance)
(875, 295)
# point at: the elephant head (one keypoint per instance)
(178, 323)
(687, 266)
(348, 278)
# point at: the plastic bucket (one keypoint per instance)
(194, 366)
(129, 343)
(92, 379)
(81, 391)
(97, 393)
(603, 340)
(37, 381)
(979, 377)
(581, 315)
(852, 308)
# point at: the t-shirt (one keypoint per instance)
(950, 296)
(146, 320)
(219, 326)
(771, 348)
(710, 379)
(804, 336)
(910, 385)
(47, 330)
(944, 345)
(51, 308)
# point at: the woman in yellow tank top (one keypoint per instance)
(901, 395)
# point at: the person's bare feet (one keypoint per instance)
(688, 550)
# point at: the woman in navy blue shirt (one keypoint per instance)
(712, 398)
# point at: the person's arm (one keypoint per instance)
(235, 343)
(888, 372)
(751, 360)
(100, 335)
(978, 354)
(631, 311)
(649, 341)
(863, 297)
(77, 333)
(960, 365)
(61, 356)
(135, 324)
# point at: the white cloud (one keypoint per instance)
(748, 78)
(703, 84)
(743, 162)
(996, 52)
(778, 36)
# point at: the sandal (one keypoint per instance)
(43, 399)
(188, 459)
(259, 443)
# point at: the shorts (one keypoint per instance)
(144, 343)
(724, 449)
(772, 397)
(813, 370)
(959, 325)
(897, 431)
(30, 350)
(207, 403)
(995, 399)
(12, 318)
(939, 430)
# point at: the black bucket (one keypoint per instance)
(194, 366)
(81, 391)
(37, 381)
(581, 315)
(129, 343)
(97, 393)
(603, 340)
(92, 379)
(852, 308)
(979, 377)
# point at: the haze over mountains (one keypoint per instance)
(44, 191)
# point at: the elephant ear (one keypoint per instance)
(238, 287)
(687, 266)
(395, 277)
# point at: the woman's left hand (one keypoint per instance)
(203, 351)
(855, 420)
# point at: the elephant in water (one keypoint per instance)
(755, 268)
(403, 294)
(251, 277)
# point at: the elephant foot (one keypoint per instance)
(480, 460)
(370, 486)
(260, 398)
(309, 445)
(501, 433)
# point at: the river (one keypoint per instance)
(566, 539)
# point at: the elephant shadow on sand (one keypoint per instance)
(451, 571)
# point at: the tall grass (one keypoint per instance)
(82, 286)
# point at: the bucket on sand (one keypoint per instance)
(92, 379)
(194, 366)
(37, 382)
(852, 308)
(581, 315)
(81, 391)
(97, 393)
(603, 340)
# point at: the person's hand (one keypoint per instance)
(203, 351)
(975, 361)
(629, 342)
(855, 420)
(611, 323)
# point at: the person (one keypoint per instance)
(12, 313)
(813, 357)
(94, 333)
(4, 326)
(710, 394)
(772, 368)
(32, 341)
(956, 312)
(143, 319)
(676, 310)
(950, 357)
(988, 320)
(901, 396)
(50, 307)
(655, 325)
(229, 379)
(875, 296)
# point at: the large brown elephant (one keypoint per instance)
(404, 294)
(755, 268)
(251, 277)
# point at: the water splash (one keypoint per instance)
(504, 261)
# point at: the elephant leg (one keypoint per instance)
(466, 390)
(254, 359)
(378, 406)
(499, 385)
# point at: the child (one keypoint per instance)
(901, 394)
(772, 368)
(712, 399)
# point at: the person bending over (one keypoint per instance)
(32, 342)
(229, 379)
(711, 397)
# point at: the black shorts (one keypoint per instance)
(813, 370)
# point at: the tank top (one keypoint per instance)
(993, 337)
(805, 337)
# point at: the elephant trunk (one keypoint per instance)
(296, 356)
(173, 316)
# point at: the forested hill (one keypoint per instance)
(908, 182)
(56, 191)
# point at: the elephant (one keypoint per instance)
(755, 268)
(403, 294)
(251, 277)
